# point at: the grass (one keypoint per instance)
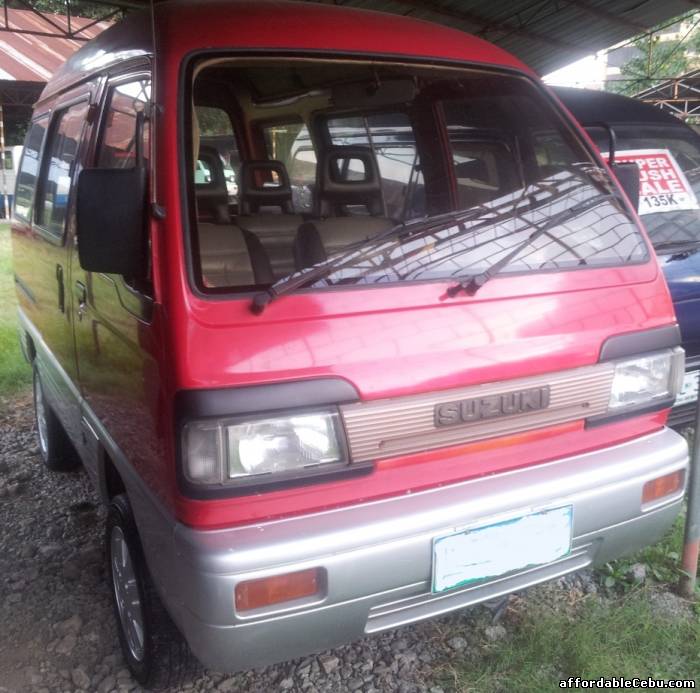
(661, 560)
(625, 638)
(618, 635)
(14, 371)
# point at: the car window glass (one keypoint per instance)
(26, 179)
(482, 158)
(118, 142)
(62, 150)
(119, 146)
(291, 144)
(668, 157)
(216, 138)
(391, 137)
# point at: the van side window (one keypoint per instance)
(28, 169)
(484, 169)
(118, 142)
(291, 144)
(216, 138)
(57, 171)
(551, 149)
(393, 141)
(484, 152)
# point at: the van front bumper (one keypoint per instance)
(378, 555)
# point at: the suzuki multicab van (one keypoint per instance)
(312, 424)
(667, 152)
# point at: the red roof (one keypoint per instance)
(182, 26)
(31, 58)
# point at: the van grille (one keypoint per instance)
(404, 425)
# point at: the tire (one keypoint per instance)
(153, 648)
(57, 452)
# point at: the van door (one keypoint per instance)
(113, 326)
(41, 232)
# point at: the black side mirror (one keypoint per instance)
(627, 174)
(111, 221)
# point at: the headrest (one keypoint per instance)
(264, 184)
(212, 196)
(348, 175)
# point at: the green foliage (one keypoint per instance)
(657, 60)
(661, 560)
(14, 371)
(213, 121)
(15, 131)
(626, 638)
(78, 8)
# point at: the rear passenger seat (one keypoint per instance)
(333, 229)
(229, 255)
(264, 185)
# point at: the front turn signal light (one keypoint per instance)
(663, 486)
(276, 589)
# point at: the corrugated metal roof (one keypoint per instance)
(28, 58)
(545, 34)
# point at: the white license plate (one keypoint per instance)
(689, 391)
(486, 552)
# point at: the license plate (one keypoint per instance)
(689, 391)
(480, 553)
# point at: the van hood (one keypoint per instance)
(407, 339)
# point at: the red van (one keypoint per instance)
(421, 358)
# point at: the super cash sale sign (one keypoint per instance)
(662, 185)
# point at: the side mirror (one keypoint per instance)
(627, 174)
(111, 221)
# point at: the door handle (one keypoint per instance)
(81, 296)
(61, 289)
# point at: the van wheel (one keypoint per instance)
(155, 651)
(55, 448)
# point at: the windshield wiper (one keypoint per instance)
(295, 281)
(472, 284)
(678, 246)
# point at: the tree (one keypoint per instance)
(78, 8)
(656, 60)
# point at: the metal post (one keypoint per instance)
(3, 175)
(691, 541)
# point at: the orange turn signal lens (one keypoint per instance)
(255, 594)
(663, 486)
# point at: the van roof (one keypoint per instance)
(182, 27)
(589, 106)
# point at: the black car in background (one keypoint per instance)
(667, 152)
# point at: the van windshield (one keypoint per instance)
(669, 161)
(422, 173)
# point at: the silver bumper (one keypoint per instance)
(377, 555)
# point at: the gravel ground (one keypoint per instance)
(57, 631)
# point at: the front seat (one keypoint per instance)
(347, 176)
(229, 255)
(263, 187)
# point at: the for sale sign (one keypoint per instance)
(662, 185)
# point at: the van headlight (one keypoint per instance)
(646, 380)
(223, 452)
